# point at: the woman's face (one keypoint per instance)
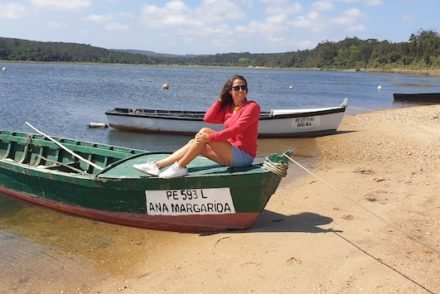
(238, 92)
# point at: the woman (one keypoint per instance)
(235, 145)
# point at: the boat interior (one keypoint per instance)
(39, 151)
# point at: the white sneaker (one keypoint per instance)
(150, 168)
(174, 171)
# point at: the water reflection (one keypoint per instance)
(44, 249)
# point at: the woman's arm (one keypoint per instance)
(250, 115)
(215, 114)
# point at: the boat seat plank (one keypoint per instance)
(72, 167)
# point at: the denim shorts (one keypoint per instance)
(240, 158)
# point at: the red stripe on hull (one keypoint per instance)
(183, 223)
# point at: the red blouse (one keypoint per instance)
(241, 127)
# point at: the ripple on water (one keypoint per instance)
(49, 251)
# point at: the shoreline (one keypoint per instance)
(374, 232)
(418, 72)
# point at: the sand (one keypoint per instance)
(367, 221)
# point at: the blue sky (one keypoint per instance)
(214, 26)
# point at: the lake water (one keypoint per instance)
(47, 251)
(61, 99)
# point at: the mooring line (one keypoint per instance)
(364, 208)
(383, 263)
(361, 108)
(339, 192)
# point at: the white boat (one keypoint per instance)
(275, 123)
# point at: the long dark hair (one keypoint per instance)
(225, 97)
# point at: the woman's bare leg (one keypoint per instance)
(220, 152)
(172, 158)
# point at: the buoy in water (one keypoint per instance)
(4, 68)
(97, 125)
(165, 86)
(379, 87)
(290, 87)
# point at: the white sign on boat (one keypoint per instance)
(189, 202)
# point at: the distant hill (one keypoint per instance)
(422, 51)
(26, 50)
(147, 53)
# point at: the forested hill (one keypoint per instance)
(421, 51)
(25, 50)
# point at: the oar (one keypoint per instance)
(65, 148)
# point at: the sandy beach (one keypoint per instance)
(360, 215)
(366, 221)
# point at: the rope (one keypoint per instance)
(64, 147)
(364, 208)
(80, 171)
(414, 239)
(361, 108)
(278, 167)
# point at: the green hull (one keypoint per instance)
(210, 198)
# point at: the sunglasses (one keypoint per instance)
(240, 87)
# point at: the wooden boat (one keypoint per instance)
(417, 97)
(274, 123)
(98, 181)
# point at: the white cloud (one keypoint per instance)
(212, 22)
(202, 26)
(215, 22)
(276, 22)
(301, 22)
(61, 4)
(312, 20)
(279, 24)
(313, 16)
(348, 17)
(99, 18)
(214, 11)
(114, 26)
(322, 5)
(108, 21)
(174, 14)
(283, 7)
(276, 19)
(12, 10)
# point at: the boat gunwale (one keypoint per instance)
(180, 115)
(117, 154)
(305, 134)
(50, 170)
